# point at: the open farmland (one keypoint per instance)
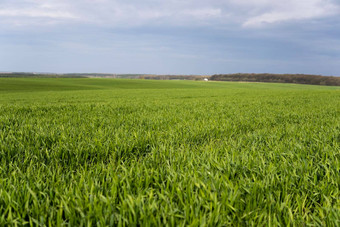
(107, 152)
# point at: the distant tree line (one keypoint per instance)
(279, 78)
(103, 75)
(39, 75)
(68, 75)
(245, 77)
(173, 77)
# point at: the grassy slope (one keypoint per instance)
(102, 151)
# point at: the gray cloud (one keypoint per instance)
(248, 13)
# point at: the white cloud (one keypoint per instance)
(202, 13)
(27, 13)
(290, 10)
(108, 13)
(113, 13)
(36, 13)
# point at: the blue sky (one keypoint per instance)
(170, 37)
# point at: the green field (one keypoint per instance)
(96, 152)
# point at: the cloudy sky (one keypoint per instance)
(170, 36)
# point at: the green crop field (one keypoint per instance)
(97, 152)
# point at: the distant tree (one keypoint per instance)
(279, 78)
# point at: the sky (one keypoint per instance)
(170, 36)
